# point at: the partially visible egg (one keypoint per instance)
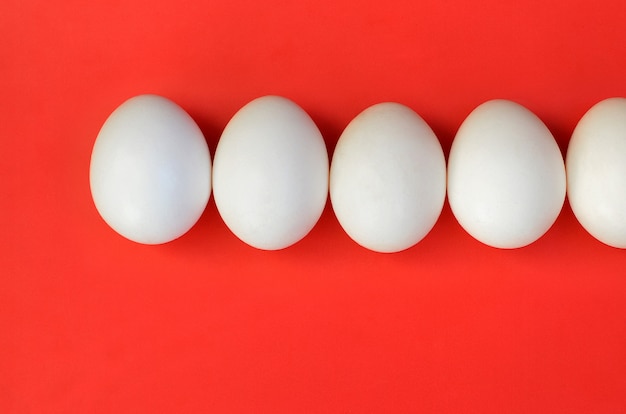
(270, 173)
(150, 172)
(387, 178)
(506, 175)
(596, 171)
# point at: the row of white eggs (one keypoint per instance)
(150, 174)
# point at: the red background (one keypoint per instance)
(93, 323)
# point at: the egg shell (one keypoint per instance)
(150, 171)
(387, 178)
(506, 175)
(596, 171)
(270, 173)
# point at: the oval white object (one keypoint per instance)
(596, 171)
(270, 173)
(506, 175)
(387, 178)
(150, 171)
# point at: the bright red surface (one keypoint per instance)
(93, 323)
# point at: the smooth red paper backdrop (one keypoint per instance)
(93, 323)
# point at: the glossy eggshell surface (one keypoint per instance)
(387, 178)
(506, 175)
(270, 173)
(150, 172)
(596, 171)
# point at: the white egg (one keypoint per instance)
(150, 171)
(387, 178)
(270, 173)
(596, 171)
(506, 176)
